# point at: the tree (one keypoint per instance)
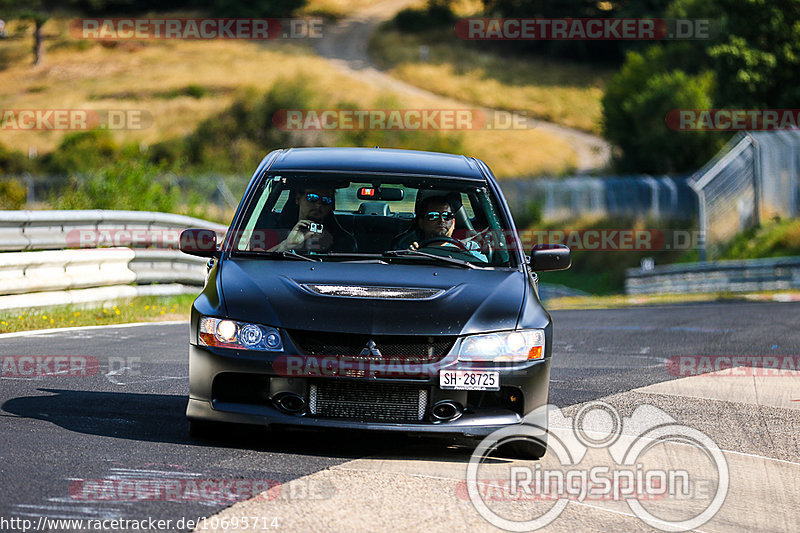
(758, 61)
(752, 64)
(635, 105)
(37, 11)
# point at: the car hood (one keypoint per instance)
(277, 293)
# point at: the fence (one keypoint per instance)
(754, 177)
(222, 191)
(659, 197)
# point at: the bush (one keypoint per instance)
(13, 194)
(126, 184)
(235, 140)
(436, 15)
(14, 162)
(82, 152)
(255, 8)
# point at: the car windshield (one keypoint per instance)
(400, 218)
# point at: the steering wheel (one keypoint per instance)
(448, 240)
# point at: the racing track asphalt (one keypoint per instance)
(128, 423)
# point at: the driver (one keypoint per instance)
(437, 219)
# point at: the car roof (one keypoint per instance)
(382, 160)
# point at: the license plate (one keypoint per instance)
(469, 380)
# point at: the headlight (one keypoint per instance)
(523, 345)
(243, 335)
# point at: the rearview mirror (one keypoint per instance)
(546, 257)
(379, 193)
(200, 242)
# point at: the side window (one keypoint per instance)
(467, 203)
(282, 199)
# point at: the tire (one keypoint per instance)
(522, 449)
(518, 449)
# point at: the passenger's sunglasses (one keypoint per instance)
(313, 198)
(447, 216)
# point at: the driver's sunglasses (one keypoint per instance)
(313, 198)
(447, 216)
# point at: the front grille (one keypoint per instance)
(367, 402)
(373, 347)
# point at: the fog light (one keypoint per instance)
(273, 340)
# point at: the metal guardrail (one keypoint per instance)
(168, 266)
(54, 230)
(716, 276)
(23, 272)
(60, 275)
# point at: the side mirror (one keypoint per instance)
(200, 242)
(546, 257)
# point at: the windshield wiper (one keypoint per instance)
(417, 253)
(356, 256)
(284, 254)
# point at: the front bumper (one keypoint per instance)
(527, 383)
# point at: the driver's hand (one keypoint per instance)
(413, 246)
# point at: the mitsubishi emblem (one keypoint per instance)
(371, 349)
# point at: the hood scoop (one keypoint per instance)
(375, 293)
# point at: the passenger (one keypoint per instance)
(316, 207)
(435, 218)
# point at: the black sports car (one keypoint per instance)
(370, 289)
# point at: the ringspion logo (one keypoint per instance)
(599, 456)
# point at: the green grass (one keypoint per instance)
(141, 309)
(602, 272)
(774, 238)
(556, 91)
(621, 300)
